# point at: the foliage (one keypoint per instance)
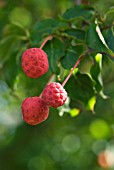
(81, 29)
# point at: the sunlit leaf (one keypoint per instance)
(74, 112)
(91, 104)
(96, 41)
(95, 72)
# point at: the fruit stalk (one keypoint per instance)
(54, 94)
(76, 64)
(49, 80)
(45, 41)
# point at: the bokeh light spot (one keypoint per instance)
(106, 159)
(99, 146)
(100, 129)
(20, 16)
(71, 143)
(58, 153)
(37, 163)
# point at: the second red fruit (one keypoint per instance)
(34, 62)
(54, 94)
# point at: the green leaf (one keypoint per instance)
(109, 16)
(54, 50)
(25, 86)
(69, 60)
(74, 112)
(80, 87)
(95, 72)
(96, 41)
(16, 31)
(82, 11)
(7, 46)
(3, 21)
(10, 70)
(75, 33)
(96, 75)
(110, 38)
(46, 27)
(71, 56)
(91, 104)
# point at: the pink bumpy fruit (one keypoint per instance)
(34, 110)
(34, 62)
(54, 95)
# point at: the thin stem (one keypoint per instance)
(76, 64)
(45, 41)
(107, 27)
(49, 80)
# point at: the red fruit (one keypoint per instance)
(34, 110)
(54, 94)
(34, 62)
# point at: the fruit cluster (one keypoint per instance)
(36, 109)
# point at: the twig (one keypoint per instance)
(49, 80)
(76, 64)
(45, 41)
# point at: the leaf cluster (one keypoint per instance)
(78, 30)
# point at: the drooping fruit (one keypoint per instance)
(54, 95)
(34, 62)
(34, 110)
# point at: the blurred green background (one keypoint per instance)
(83, 142)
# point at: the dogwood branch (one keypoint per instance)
(76, 64)
(45, 41)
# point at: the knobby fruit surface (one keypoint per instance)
(54, 95)
(34, 110)
(34, 62)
